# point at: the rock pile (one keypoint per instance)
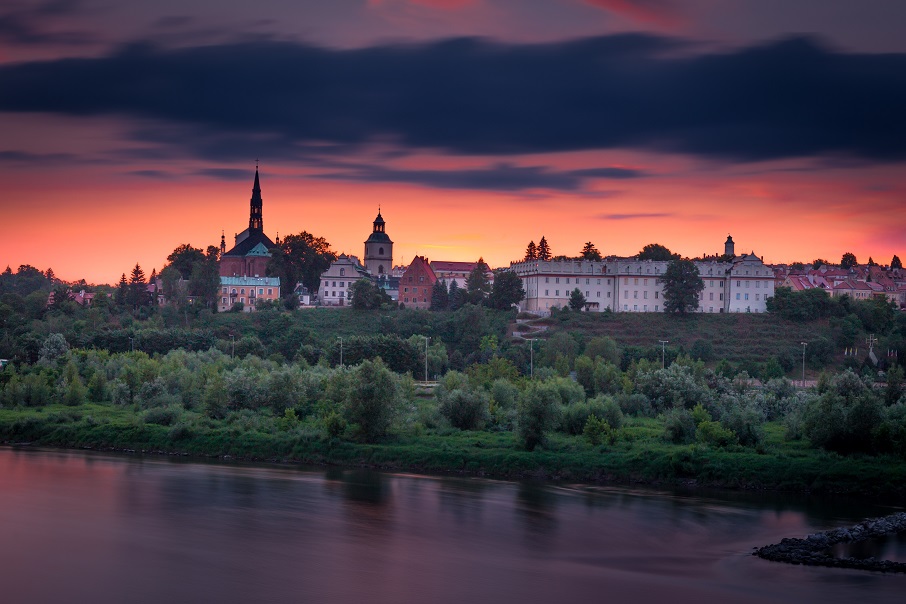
(815, 550)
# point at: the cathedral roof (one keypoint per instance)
(378, 237)
(250, 245)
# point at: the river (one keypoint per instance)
(89, 527)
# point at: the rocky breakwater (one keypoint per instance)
(816, 550)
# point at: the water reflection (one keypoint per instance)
(115, 529)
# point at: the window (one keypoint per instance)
(223, 300)
(625, 293)
(342, 272)
(406, 291)
(635, 307)
(655, 295)
(334, 284)
(421, 279)
(599, 281)
(625, 281)
(747, 296)
(557, 280)
(587, 281)
(547, 279)
(646, 281)
(625, 307)
(567, 281)
(645, 308)
(557, 292)
(757, 297)
(270, 291)
(710, 309)
(242, 291)
(645, 294)
(407, 299)
(234, 290)
(597, 294)
(547, 292)
(224, 290)
(737, 296)
(738, 284)
(721, 296)
(380, 251)
(747, 285)
(757, 284)
(608, 294)
(635, 294)
(711, 296)
(242, 300)
(655, 308)
(586, 293)
(710, 283)
(260, 291)
(635, 281)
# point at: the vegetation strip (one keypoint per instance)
(815, 550)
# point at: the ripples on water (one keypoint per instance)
(95, 528)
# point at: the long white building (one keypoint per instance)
(742, 284)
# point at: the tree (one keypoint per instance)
(204, 282)
(576, 300)
(896, 262)
(455, 296)
(184, 258)
(871, 261)
(478, 287)
(544, 250)
(301, 257)
(536, 413)
(848, 260)
(174, 287)
(367, 296)
(531, 252)
(506, 291)
(373, 400)
(819, 262)
(122, 291)
(656, 251)
(440, 295)
(682, 285)
(590, 252)
(138, 288)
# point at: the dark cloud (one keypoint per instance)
(32, 23)
(153, 174)
(25, 157)
(791, 98)
(224, 173)
(501, 177)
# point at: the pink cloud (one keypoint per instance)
(662, 13)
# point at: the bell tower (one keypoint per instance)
(379, 249)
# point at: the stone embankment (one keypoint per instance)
(816, 550)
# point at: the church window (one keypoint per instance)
(242, 291)
(380, 269)
(380, 251)
(233, 291)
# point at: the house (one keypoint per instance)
(248, 291)
(416, 284)
(337, 281)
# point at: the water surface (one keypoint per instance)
(83, 527)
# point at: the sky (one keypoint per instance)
(128, 128)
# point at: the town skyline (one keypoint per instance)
(475, 125)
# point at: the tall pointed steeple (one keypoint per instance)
(256, 219)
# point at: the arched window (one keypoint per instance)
(380, 251)
(342, 272)
(380, 269)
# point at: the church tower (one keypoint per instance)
(256, 219)
(729, 247)
(379, 249)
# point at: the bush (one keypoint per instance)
(679, 426)
(714, 434)
(844, 416)
(537, 412)
(373, 400)
(746, 420)
(598, 431)
(162, 416)
(464, 408)
(634, 404)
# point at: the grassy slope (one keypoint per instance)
(640, 456)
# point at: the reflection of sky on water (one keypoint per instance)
(116, 529)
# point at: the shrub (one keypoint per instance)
(598, 431)
(162, 416)
(679, 426)
(464, 408)
(714, 434)
(537, 412)
(844, 416)
(746, 420)
(634, 404)
(373, 400)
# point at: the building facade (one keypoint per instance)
(742, 284)
(416, 284)
(248, 291)
(337, 281)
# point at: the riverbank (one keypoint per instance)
(642, 457)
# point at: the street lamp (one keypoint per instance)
(131, 345)
(232, 346)
(804, 344)
(531, 357)
(663, 351)
(341, 352)
(426, 357)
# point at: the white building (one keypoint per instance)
(741, 284)
(337, 280)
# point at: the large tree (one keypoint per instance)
(531, 252)
(656, 251)
(896, 262)
(367, 296)
(590, 252)
(682, 285)
(506, 291)
(478, 286)
(204, 282)
(300, 258)
(848, 260)
(544, 250)
(138, 288)
(183, 259)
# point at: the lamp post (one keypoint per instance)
(531, 357)
(804, 344)
(131, 344)
(663, 352)
(232, 346)
(341, 352)
(426, 358)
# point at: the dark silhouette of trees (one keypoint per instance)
(656, 251)
(506, 291)
(590, 252)
(848, 260)
(440, 295)
(531, 252)
(301, 257)
(576, 300)
(896, 262)
(544, 250)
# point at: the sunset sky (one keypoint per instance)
(130, 127)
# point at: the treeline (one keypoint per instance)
(194, 393)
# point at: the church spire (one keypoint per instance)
(256, 220)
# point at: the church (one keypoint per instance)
(243, 269)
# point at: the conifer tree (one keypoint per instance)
(455, 296)
(122, 291)
(896, 262)
(590, 252)
(478, 286)
(138, 289)
(440, 295)
(531, 252)
(544, 250)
